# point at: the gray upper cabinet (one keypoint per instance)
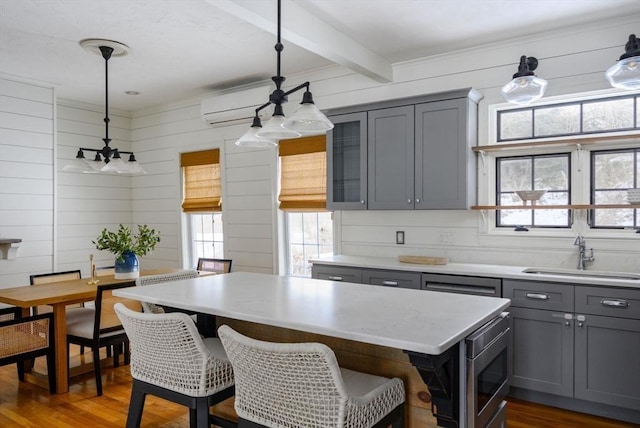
(347, 162)
(414, 153)
(445, 167)
(391, 152)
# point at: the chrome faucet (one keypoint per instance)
(582, 256)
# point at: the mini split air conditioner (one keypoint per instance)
(233, 108)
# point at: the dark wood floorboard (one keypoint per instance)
(26, 405)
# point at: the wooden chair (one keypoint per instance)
(171, 361)
(282, 384)
(105, 270)
(24, 338)
(100, 327)
(214, 265)
(46, 278)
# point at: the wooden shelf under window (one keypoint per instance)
(583, 141)
(554, 207)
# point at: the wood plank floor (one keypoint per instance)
(26, 405)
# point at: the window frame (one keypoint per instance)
(580, 173)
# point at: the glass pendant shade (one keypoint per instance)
(80, 165)
(625, 74)
(524, 89)
(250, 139)
(275, 131)
(116, 166)
(307, 120)
(135, 168)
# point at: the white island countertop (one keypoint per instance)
(413, 320)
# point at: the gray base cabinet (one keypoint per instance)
(387, 278)
(576, 341)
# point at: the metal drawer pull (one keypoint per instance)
(615, 303)
(538, 296)
(335, 278)
(391, 283)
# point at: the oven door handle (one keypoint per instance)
(468, 289)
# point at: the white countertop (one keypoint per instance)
(414, 320)
(483, 270)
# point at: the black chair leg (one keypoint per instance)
(116, 355)
(51, 371)
(202, 412)
(96, 369)
(20, 366)
(127, 353)
(134, 417)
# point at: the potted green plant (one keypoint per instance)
(127, 247)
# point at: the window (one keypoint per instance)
(202, 203)
(536, 172)
(612, 173)
(604, 115)
(206, 236)
(602, 168)
(309, 235)
(303, 197)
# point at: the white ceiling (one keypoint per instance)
(185, 48)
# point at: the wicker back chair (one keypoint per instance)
(300, 384)
(47, 278)
(26, 338)
(171, 361)
(157, 279)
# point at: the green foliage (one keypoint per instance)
(123, 240)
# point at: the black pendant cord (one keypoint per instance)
(106, 150)
(278, 96)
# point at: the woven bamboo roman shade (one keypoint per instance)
(202, 185)
(303, 174)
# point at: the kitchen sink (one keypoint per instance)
(583, 273)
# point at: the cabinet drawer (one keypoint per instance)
(337, 273)
(391, 278)
(461, 284)
(614, 302)
(539, 295)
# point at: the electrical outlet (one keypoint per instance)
(400, 237)
(445, 238)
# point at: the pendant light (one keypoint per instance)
(525, 87)
(306, 120)
(113, 162)
(625, 73)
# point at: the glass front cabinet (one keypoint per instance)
(347, 162)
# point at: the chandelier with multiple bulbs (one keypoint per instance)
(107, 159)
(306, 120)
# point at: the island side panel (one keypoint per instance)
(378, 360)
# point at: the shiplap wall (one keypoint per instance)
(87, 203)
(248, 177)
(27, 177)
(573, 61)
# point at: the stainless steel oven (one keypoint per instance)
(488, 374)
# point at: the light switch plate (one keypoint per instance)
(400, 237)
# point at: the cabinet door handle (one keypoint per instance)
(335, 278)
(614, 303)
(362, 202)
(408, 201)
(417, 200)
(390, 283)
(538, 296)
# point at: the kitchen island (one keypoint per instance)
(418, 322)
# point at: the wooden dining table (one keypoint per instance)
(59, 295)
